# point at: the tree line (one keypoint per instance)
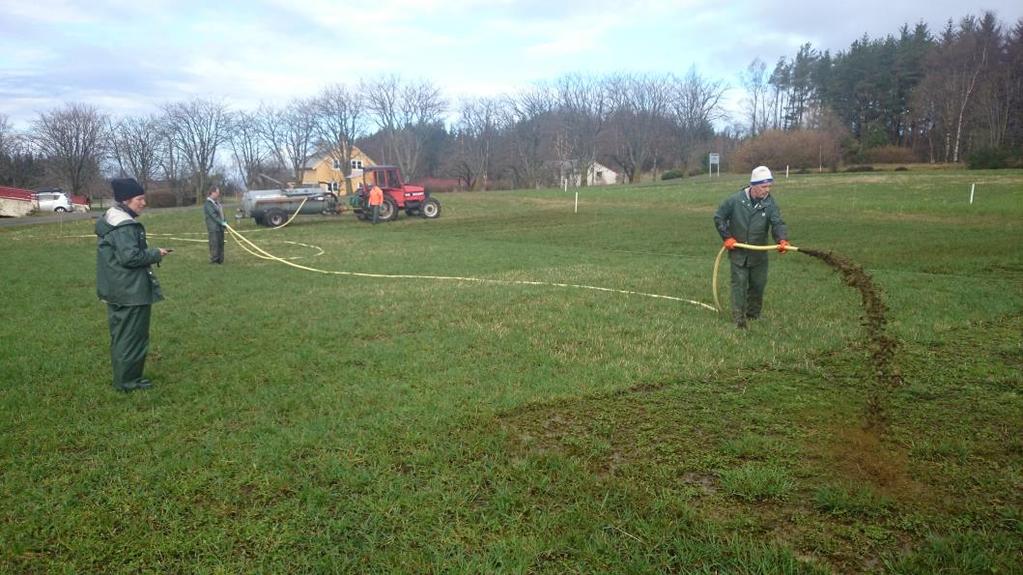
(933, 97)
(914, 96)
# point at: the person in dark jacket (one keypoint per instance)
(125, 282)
(215, 224)
(746, 217)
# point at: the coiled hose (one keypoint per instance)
(717, 264)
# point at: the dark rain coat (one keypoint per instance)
(748, 222)
(214, 213)
(123, 261)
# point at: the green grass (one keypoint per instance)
(303, 422)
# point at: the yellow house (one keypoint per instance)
(326, 171)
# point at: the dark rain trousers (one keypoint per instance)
(129, 343)
(216, 245)
(749, 280)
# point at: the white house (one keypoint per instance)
(569, 174)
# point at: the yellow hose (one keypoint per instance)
(263, 254)
(299, 209)
(717, 265)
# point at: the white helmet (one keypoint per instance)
(760, 175)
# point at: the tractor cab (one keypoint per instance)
(397, 195)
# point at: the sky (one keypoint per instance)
(128, 57)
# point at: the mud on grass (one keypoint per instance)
(942, 485)
(882, 346)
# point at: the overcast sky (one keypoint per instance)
(129, 56)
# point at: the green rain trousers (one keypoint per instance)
(129, 343)
(216, 240)
(749, 279)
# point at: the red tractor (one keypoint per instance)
(397, 195)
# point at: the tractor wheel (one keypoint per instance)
(430, 209)
(389, 210)
(275, 218)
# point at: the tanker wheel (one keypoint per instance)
(430, 209)
(389, 210)
(275, 218)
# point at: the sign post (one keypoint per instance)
(713, 160)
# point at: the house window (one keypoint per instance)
(356, 164)
(332, 186)
(336, 164)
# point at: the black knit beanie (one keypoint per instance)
(126, 189)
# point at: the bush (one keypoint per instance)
(902, 169)
(888, 155)
(798, 149)
(860, 169)
(988, 159)
(672, 175)
(165, 198)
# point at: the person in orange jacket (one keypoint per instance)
(376, 199)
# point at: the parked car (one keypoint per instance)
(56, 201)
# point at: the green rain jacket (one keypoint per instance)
(748, 222)
(123, 260)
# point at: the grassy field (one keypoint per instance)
(305, 422)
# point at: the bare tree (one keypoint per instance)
(997, 86)
(585, 107)
(405, 112)
(290, 133)
(754, 79)
(695, 105)
(199, 128)
(340, 121)
(6, 136)
(74, 139)
(20, 165)
(639, 109)
(248, 147)
(475, 134)
(136, 143)
(529, 116)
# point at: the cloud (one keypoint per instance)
(135, 55)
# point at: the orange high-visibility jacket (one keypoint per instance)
(376, 196)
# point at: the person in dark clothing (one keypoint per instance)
(215, 224)
(746, 217)
(125, 282)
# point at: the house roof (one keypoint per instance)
(314, 161)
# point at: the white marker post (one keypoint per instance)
(972, 188)
(576, 201)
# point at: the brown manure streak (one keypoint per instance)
(880, 345)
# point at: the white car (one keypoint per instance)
(54, 202)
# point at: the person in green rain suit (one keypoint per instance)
(125, 281)
(745, 217)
